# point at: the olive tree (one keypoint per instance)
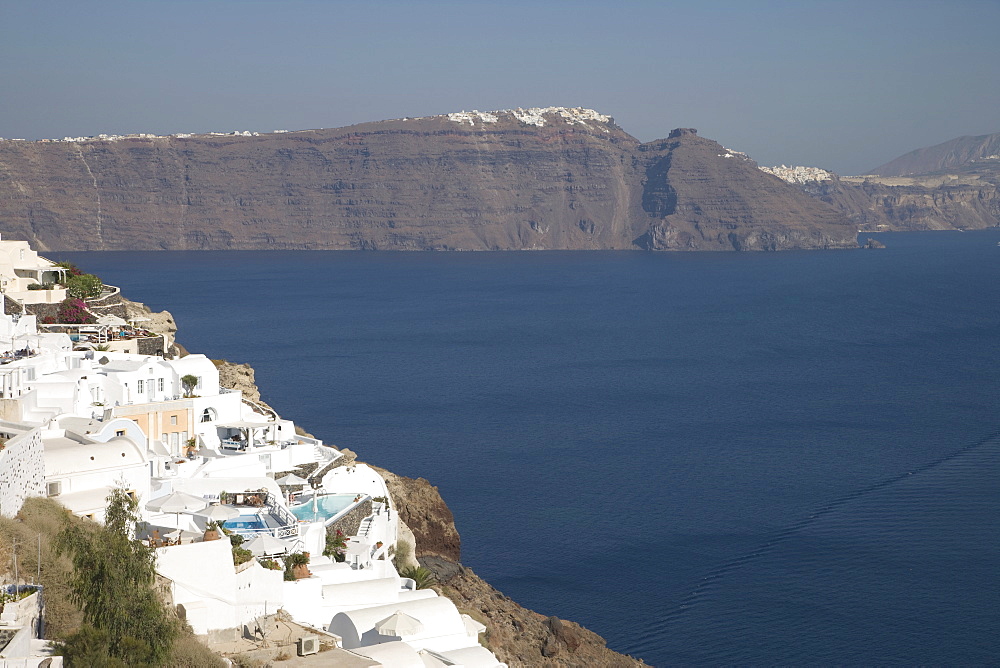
(124, 621)
(189, 382)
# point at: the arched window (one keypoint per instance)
(209, 415)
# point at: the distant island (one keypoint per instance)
(549, 178)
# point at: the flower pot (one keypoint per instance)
(301, 572)
(212, 534)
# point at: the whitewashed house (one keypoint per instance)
(20, 266)
(84, 461)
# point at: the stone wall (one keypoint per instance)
(150, 345)
(351, 522)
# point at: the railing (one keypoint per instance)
(285, 516)
(260, 409)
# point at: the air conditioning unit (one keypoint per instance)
(53, 488)
(308, 645)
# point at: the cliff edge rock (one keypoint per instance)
(523, 179)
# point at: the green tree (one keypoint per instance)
(84, 286)
(123, 619)
(189, 382)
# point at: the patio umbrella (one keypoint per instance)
(291, 479)
(177, 503)
(399, 624)
(111, 320)
(264, 544)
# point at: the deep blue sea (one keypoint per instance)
(708, 458)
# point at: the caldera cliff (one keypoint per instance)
(550, 178)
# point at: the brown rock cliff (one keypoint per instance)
(414, 184)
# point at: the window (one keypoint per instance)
(198, 386)
(142, 386)
(209, 415)
(120, 432)
(160, 384)
(173, 419)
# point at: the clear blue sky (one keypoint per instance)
(842, 85)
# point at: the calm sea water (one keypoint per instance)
(708, 458)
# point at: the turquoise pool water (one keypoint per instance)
(245, 523)
(327, 506)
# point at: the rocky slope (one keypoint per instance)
(549, 178)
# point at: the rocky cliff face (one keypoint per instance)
(702, 196)
(523, 179)
(877, 205)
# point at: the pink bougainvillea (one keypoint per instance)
(74, 311)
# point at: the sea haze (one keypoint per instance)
(707, 458)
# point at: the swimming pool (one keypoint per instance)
(245, 523)
(327, 506)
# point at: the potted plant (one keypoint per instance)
(297, 563)
(211, 531)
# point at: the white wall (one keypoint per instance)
(22, 470)
(213, 594)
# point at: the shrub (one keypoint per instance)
(74, 311)
(423, 577)
(241, 555)
(70, 268)
(84, 286)
(336, 546)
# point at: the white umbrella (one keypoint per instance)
(265, 543)
(291, 479)
(218, 513)
(177, 503)
(399, 624)
(111, 320)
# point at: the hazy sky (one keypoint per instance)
(841, 85)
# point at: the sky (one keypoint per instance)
(841, 85)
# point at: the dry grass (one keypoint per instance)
(38, 522)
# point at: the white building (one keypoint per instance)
(84, 461)
(214, 594)
(22, 466)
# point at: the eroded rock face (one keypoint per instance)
(880, 207)
(702, 196)
(518, 636)
(421, 507)
(525, 179)
(240, 377)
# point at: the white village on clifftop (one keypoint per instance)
(90, 407)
